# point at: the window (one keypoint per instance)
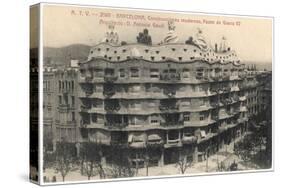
(60, 100)
(186, 117)
(135, 88)
(154, 73)
(185, 73)
(66, 99)
(122, 73)
(201, 116)
(72, 85)
(94, 118)
(72, 100)
(98, 73)
(73, 116)
(59, 85)
(151, 104)
(154, 121)
(136, 105)
(199, 73)
(97, 103)
(185, 103)
(200, 88)
(134, 72)
(98, 88)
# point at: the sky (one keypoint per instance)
(250, 37)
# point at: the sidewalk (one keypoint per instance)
(225, 155)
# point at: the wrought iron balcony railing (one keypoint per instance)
(112, 108)
(110, 78)
(169, 92)
(172, 77)
(116, 125)
(169, 108)
(171, 123)
(108, 93)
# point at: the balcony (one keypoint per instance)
(110, 78)
(188, 139)
(154, 140)
(112, 108)
(225, 77)
(166, 108)
(226, 89)
(170, 77)
(242, 76)
(216, 78)
(226, 101)
(173, 142)
(88, 79)
(108, 93)
(215, 104)
(215, 117)
(85, 108)
(242, 98)
(64, 107)
(116, 125)
(172, 124)
(169, 92)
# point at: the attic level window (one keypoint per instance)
(107, 49)
(152, 58)
(92, 51)
(124, 50)
(180, 58)
(134, 72)
(185, 73)
(194, 50)
(157, 52)
(163, 57)
(118, 58)
(185, 49)
(105, 56)
(173, 49)
(121, 73)
(109, 58)
(98, 49)
(115, 51)
(191, 58)
(146, 50)
(154, 73)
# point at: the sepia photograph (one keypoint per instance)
(135, 93)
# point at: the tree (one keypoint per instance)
(121, 164)
(91, 163)
(183, 162)
(245, 148)
(64, 158)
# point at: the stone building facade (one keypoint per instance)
(171, 99)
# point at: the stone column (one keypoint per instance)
(195, 154)
(161, 160)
